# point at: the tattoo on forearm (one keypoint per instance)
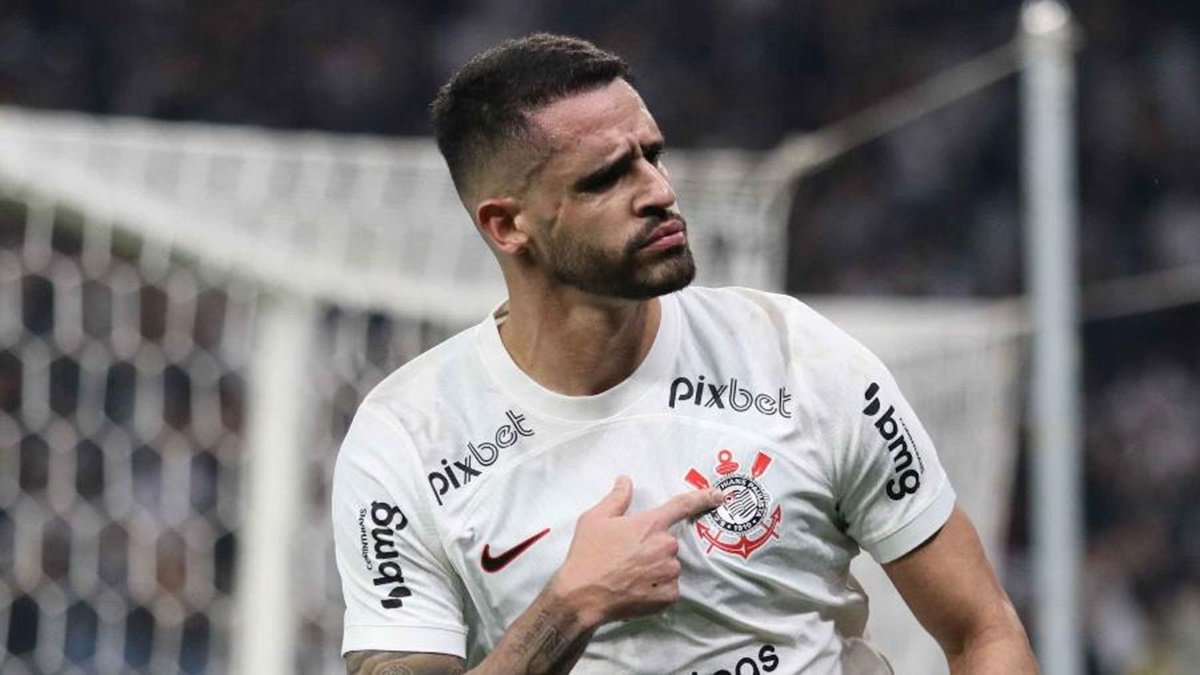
(553, 645)
(544, 636)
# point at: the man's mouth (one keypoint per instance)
(669, 234)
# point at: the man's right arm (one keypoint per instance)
(546, 638)
(403, 663)
(618, 567)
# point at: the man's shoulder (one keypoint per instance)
(762, 321)
(748, 306)
(734, 295)
(423, 376)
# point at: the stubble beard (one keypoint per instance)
(630, 273)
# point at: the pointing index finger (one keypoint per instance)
(684, 505)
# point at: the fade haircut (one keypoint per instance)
(484, 109)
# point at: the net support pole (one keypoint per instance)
(1049, 175)
(264, 626)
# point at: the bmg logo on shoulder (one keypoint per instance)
(900, 444)
(729, 394)
(380, 550)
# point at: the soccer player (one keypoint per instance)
(614, 472)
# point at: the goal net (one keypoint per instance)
(142, 271)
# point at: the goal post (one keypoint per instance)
(1052, 272)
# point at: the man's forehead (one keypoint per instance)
(598, 120)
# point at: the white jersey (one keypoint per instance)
(459, 483)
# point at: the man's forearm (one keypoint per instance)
(373, 662)
(549, 637)
(1001, 649)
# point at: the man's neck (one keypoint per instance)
(580, 348)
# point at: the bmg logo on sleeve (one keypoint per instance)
(380, 550)
(900, 445)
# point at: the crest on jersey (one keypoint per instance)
(741, 525)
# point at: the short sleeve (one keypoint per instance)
(401, 593)
(893, 492)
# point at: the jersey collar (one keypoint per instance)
(650, 373)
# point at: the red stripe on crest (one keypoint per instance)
(761, 462)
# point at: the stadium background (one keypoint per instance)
(930, 211)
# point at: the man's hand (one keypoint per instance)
(618, 567)
(621, 567)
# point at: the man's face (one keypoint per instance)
(604, 214)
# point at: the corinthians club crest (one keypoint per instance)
(741, 525)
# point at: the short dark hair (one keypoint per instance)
(486, 104)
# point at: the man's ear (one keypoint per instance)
(497, 218)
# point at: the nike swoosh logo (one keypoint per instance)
(492, 564)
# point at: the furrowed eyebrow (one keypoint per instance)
(605, 174)
(614, 169)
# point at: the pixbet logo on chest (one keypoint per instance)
(452, 476)
(712, 395)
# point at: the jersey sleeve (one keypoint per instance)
(893, 492)
(401, 592)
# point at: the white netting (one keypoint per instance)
(120, 418)
(358, 221)
(134, 258)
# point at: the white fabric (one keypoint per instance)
(803, 428)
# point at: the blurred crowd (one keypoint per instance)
(930, 210)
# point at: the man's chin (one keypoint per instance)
(678, 274)
(642, 279)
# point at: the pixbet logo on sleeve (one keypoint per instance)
(901, 446)
(454, 475)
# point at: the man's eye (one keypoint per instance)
(600, 183)
(655, 157)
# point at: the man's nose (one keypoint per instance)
(655, 192)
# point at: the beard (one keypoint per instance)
(628, 273)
